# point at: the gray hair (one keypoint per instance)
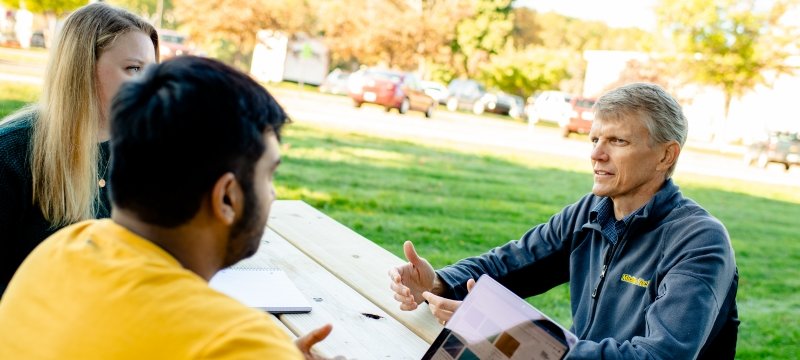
(660, 112)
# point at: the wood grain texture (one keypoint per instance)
(355, 335)
(352, 258)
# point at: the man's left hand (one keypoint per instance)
(443, 308)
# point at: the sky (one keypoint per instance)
(616, 13)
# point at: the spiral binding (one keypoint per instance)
(256, 267)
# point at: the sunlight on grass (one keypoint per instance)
(296, 193)
(357, 155)
(458, 201)
(14, 96)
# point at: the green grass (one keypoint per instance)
(456, 201)
(14, 96)
(455, 204)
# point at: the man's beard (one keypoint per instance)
(245, 234)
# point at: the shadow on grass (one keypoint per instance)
(454, 205)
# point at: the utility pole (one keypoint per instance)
(159, 13)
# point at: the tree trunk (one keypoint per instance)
(728, 98)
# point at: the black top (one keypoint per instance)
(22, 225)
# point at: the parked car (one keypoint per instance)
(465, 94)
(778, 146)
(551, 106)
(172, 43)
(580, 118)
(390, 89)
(435, 90)
(500, 103)
(37, 39)
(335, 83)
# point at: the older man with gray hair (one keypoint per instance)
(652, 274)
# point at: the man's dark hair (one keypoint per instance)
(178, 128)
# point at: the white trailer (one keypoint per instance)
(277, 57)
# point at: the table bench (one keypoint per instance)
(344, 275)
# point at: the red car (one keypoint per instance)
(390, 89)
(581, 117)
(172, 43)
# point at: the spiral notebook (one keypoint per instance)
(264, 288)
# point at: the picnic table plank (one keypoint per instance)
(352, 258)
(354, 335)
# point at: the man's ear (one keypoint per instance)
(226, 198)
(670, 155)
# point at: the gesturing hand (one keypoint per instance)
(305, 342)
(410, 280)
(442, 308)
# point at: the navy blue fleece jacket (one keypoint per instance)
(665, 290)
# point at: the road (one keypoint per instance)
(466, 129)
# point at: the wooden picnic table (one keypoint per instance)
(344, 276)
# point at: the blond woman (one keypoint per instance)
(53, 155)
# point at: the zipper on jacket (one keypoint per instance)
(596, 292)
(606, 262)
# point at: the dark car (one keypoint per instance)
(580, 118)
(37, 39)
(465, 94)
(500, 103)
(390, 89)
(781, 147)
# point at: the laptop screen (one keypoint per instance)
(494, 323)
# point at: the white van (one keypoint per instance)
(551, 106)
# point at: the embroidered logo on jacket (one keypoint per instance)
(634, 280)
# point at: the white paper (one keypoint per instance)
(268, 289)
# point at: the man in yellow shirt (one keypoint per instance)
(194, 148)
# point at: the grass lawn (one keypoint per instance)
(14, 96)
(455, 203)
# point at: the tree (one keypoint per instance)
(56, 7)
(233, 24)
(526, 28)
(526, 72)
(159, 12)
(369, 35)
(390, 33)
(730, 44)
(482, 34)
(570, 37)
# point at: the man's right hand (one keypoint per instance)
(305, 342)
(409, 281)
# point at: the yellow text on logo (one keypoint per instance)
(634, 280)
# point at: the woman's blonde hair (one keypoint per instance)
(65, 138)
